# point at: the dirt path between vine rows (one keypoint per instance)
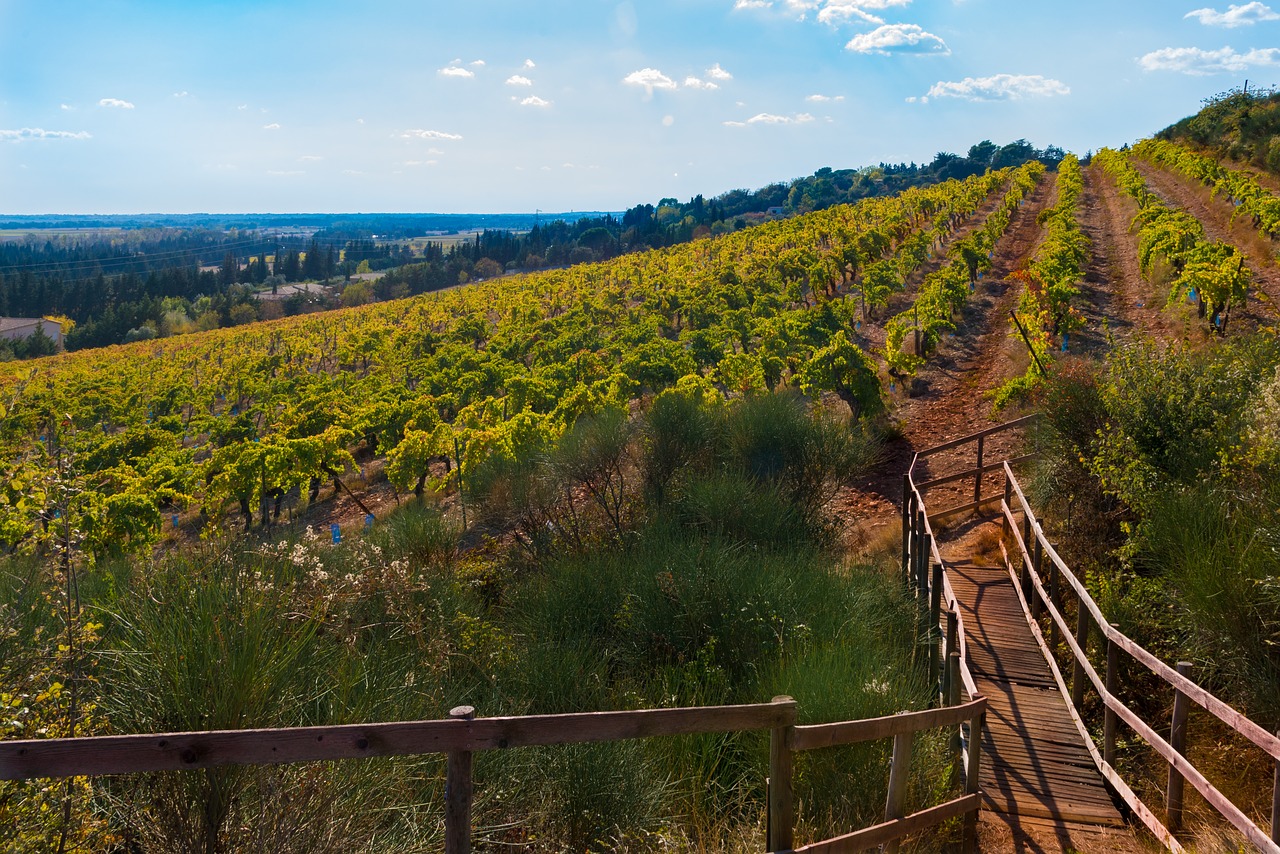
(1215, 215)
(949, 397)
(1118, 294)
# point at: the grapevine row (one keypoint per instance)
(945, 291)
(1211, 274)
(1240, 188)
(1045, 308)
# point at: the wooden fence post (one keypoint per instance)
(971, 787)
(935, 613)
(1037, 565)
(1008, 502)
(1082, 640)
(781, 819)
(926, 552)
(1275, 803)
(953, 699)
(951, 647)
(899, 773)
(1109, 715)
(977, 477)
(908, 514)
(458, 788)
(1054, 636)
(1178, 741)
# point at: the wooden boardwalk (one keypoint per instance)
(1035, 763)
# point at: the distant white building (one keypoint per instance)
(18, 328)
(776, 210)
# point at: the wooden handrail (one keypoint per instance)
(463, 733)
(128, 754)
(1223, 711)
(818, 736)
(1185, 687)
(981, 434)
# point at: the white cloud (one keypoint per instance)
(272, 126)
(310, 158)
(999, 87)
(772, 119)
(1194, 61)
(535, 101)
(116, 103)
(286, 172)
(668, 121)
(22, 134)
(822, 99)
(843, 13)
(697, 83)
(67, 107)
(352, 172)
(1235, 16)
(715, 72)
(429, 134)
(455, 71)
(529, 63)
(898, 38)
(519, 80)
(420, 162)
(833, 12)
(184, 93)
(477, 63)
(649, 79)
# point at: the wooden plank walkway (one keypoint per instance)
(1035, 763)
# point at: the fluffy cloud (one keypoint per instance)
(535, 101)
(519, 80)
(455, 71)
(116, 103)
(1235, 16)
(772, 119)
(529, 63)
(1193, 60)
(22, 134)
(898, 38)
(429, 134)
(698, 83)
(649, 79)
(272, 126)
(820, 99)
(999, 87)
(715, 72)
(835, 15)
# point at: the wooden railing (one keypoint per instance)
(1033, 556)
(942, 624)
(463, 733)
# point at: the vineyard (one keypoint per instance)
(625, 485)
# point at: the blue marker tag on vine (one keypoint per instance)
(368, 520)
(174, 519)
(335, 530)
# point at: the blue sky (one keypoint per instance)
(131, 106)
